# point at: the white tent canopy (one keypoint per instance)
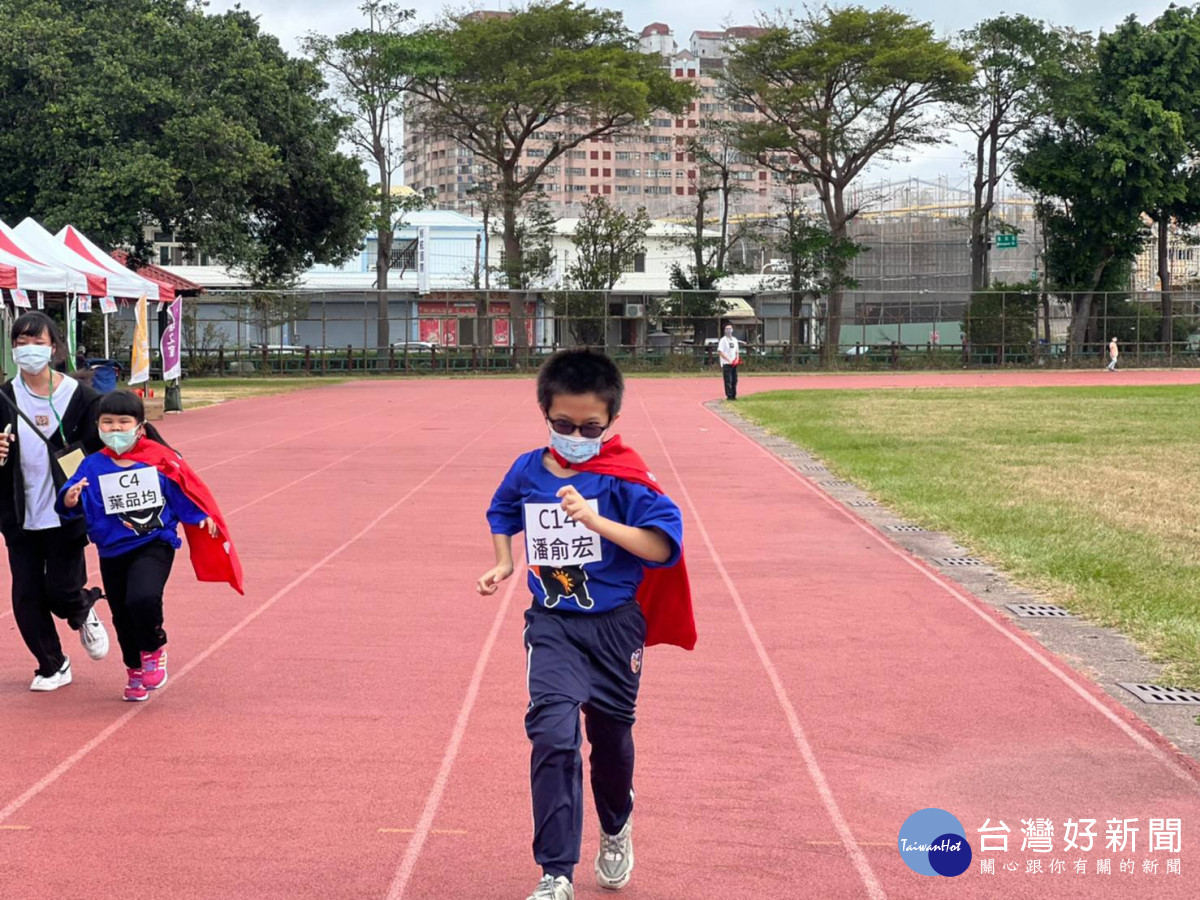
(79, 281)
(40, 274)
(121, 281)
(33, 276)
(41, 243)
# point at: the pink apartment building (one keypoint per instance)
(651, 167)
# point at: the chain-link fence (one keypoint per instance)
(257, 332)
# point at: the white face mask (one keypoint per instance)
(32, 358)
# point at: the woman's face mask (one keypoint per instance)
(32, 358)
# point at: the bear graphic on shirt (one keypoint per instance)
(564, 581)
(143, 521)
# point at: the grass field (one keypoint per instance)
(1090, 495)
(200, 392)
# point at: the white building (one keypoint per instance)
(666, 244)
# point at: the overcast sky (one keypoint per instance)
(290, 19)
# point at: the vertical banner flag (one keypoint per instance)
(72, 340)
(170, 345)
(423, 260)
(41, 300)
(139, 366)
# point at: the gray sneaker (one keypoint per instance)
(614, 862)
(552, 888)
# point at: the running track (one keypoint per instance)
(352, 728)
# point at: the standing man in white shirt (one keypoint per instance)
(727, 349)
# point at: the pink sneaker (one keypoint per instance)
(135, 691)
(154, 669)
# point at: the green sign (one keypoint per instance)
(1006, 242)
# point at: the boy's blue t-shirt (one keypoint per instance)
(127, 508)
(571, 567)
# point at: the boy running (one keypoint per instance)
(133, 495)
(604, 547)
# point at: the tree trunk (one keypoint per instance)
(989, 203)
(698, 244)
(383, 314)
(1164, 276)
(1082, 313)
(835, 213)
(383, 259)
(978, 238)
(514, 271)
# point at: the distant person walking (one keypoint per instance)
(727, 350)
(1113, 353)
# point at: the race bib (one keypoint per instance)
(554, 538)
(131, 490)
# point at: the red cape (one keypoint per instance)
(665, 594)
(214, 559)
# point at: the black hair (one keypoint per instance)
(580, 371)
(127, 403)
(123, 403)
(35, 324)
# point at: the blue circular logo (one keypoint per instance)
(933, 842)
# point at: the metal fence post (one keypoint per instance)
(1003, 327)
(1137, 334)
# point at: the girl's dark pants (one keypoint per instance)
(134, 583)
(589, 662)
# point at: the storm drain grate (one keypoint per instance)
(836, 483)
(862, 503)
(960, 561)
(907, 529)
(1039, 611)
(814, 467)
(1153, 693)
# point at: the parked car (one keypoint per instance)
(276, 348)
(415, 346)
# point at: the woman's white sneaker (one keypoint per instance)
(53, 682)
(93, 636)
(614, 862)
(551, 888)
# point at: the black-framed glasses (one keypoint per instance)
(566, 426)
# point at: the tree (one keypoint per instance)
(838, 89)
(1161, 61)
(714, 149)
(1011, 56)
(536, 227)
(812, 256)
(1005, 317)
(1103, 155)
(129, 114)
(607, 240)
(555, 74)
(371, 69)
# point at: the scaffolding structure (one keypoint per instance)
(916, 237)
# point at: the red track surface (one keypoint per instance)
(352, 728)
